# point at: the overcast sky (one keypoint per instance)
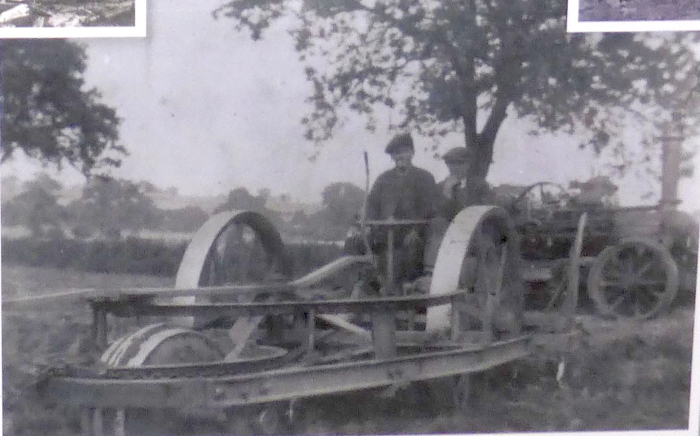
(205, 109)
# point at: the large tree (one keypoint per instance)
(465, 66)
(342, 200)
(36, 207)
(49, 113)
(112, 206)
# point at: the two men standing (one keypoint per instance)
(406, 192)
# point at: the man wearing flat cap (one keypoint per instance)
(457, 191)
(403, 192)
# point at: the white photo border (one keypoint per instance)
(137, 30)
(573, 25)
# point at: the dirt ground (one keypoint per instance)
(638, 10)
(620, 375)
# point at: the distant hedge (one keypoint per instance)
(135, 255)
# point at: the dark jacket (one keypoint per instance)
(411, 195)
(473, 194)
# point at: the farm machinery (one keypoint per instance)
(636, 260)
(237, 342)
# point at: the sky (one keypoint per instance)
(205, 109)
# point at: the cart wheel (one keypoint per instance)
(544, 197)
(260, 420)
(634, 279)
(151, 346)
(479, 255)
(235, 247)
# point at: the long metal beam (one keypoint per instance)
(282, 384)
(146, 308)
(310, 280)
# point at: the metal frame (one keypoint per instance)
(382, 357)
(281, 384)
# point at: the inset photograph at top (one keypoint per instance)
(633, 15)
(71, 18)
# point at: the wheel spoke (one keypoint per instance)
(637, 307)
(614, 304)
(628, 266)
(645, 268)
(615, 268)
(558, 290)
(649, 291)
(608, 283)
(650, 282)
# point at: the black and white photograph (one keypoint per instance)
(358, 217)
(633, 15)
(638, 10)
(71, 18)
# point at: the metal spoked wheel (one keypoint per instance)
(232, 248)
(478, 255)
(150, 347)
(235, 247)
(538, 201)
(634, 279)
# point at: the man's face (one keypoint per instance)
(402, 157)
(458, 169)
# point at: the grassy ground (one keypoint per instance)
(638, 10)
(620, 375)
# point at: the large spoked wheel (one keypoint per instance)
(151, 346)
(479, 255)
(537, 201)
(232, 248)
(633, 279)
(235, 247)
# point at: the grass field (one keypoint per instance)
(619, 375)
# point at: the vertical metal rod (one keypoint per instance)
(411, 319)
(97, 422)
(311, 330)
(384, 318)
(384, 333)
(454, 320)
(86, 422)
(99, 327)
(389, 286)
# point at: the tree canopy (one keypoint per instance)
(111, 206)
(49, 113)
(342, 201)
(465, 66)
(36, 207)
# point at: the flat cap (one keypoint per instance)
(402, 140)
(457, 154)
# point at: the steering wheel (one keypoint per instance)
(538, 201)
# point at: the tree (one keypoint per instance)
(342, 201)
(111, 206)
(187, 219)
(36, 207)
(467, 65)
(241, 199)
(49, 113)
